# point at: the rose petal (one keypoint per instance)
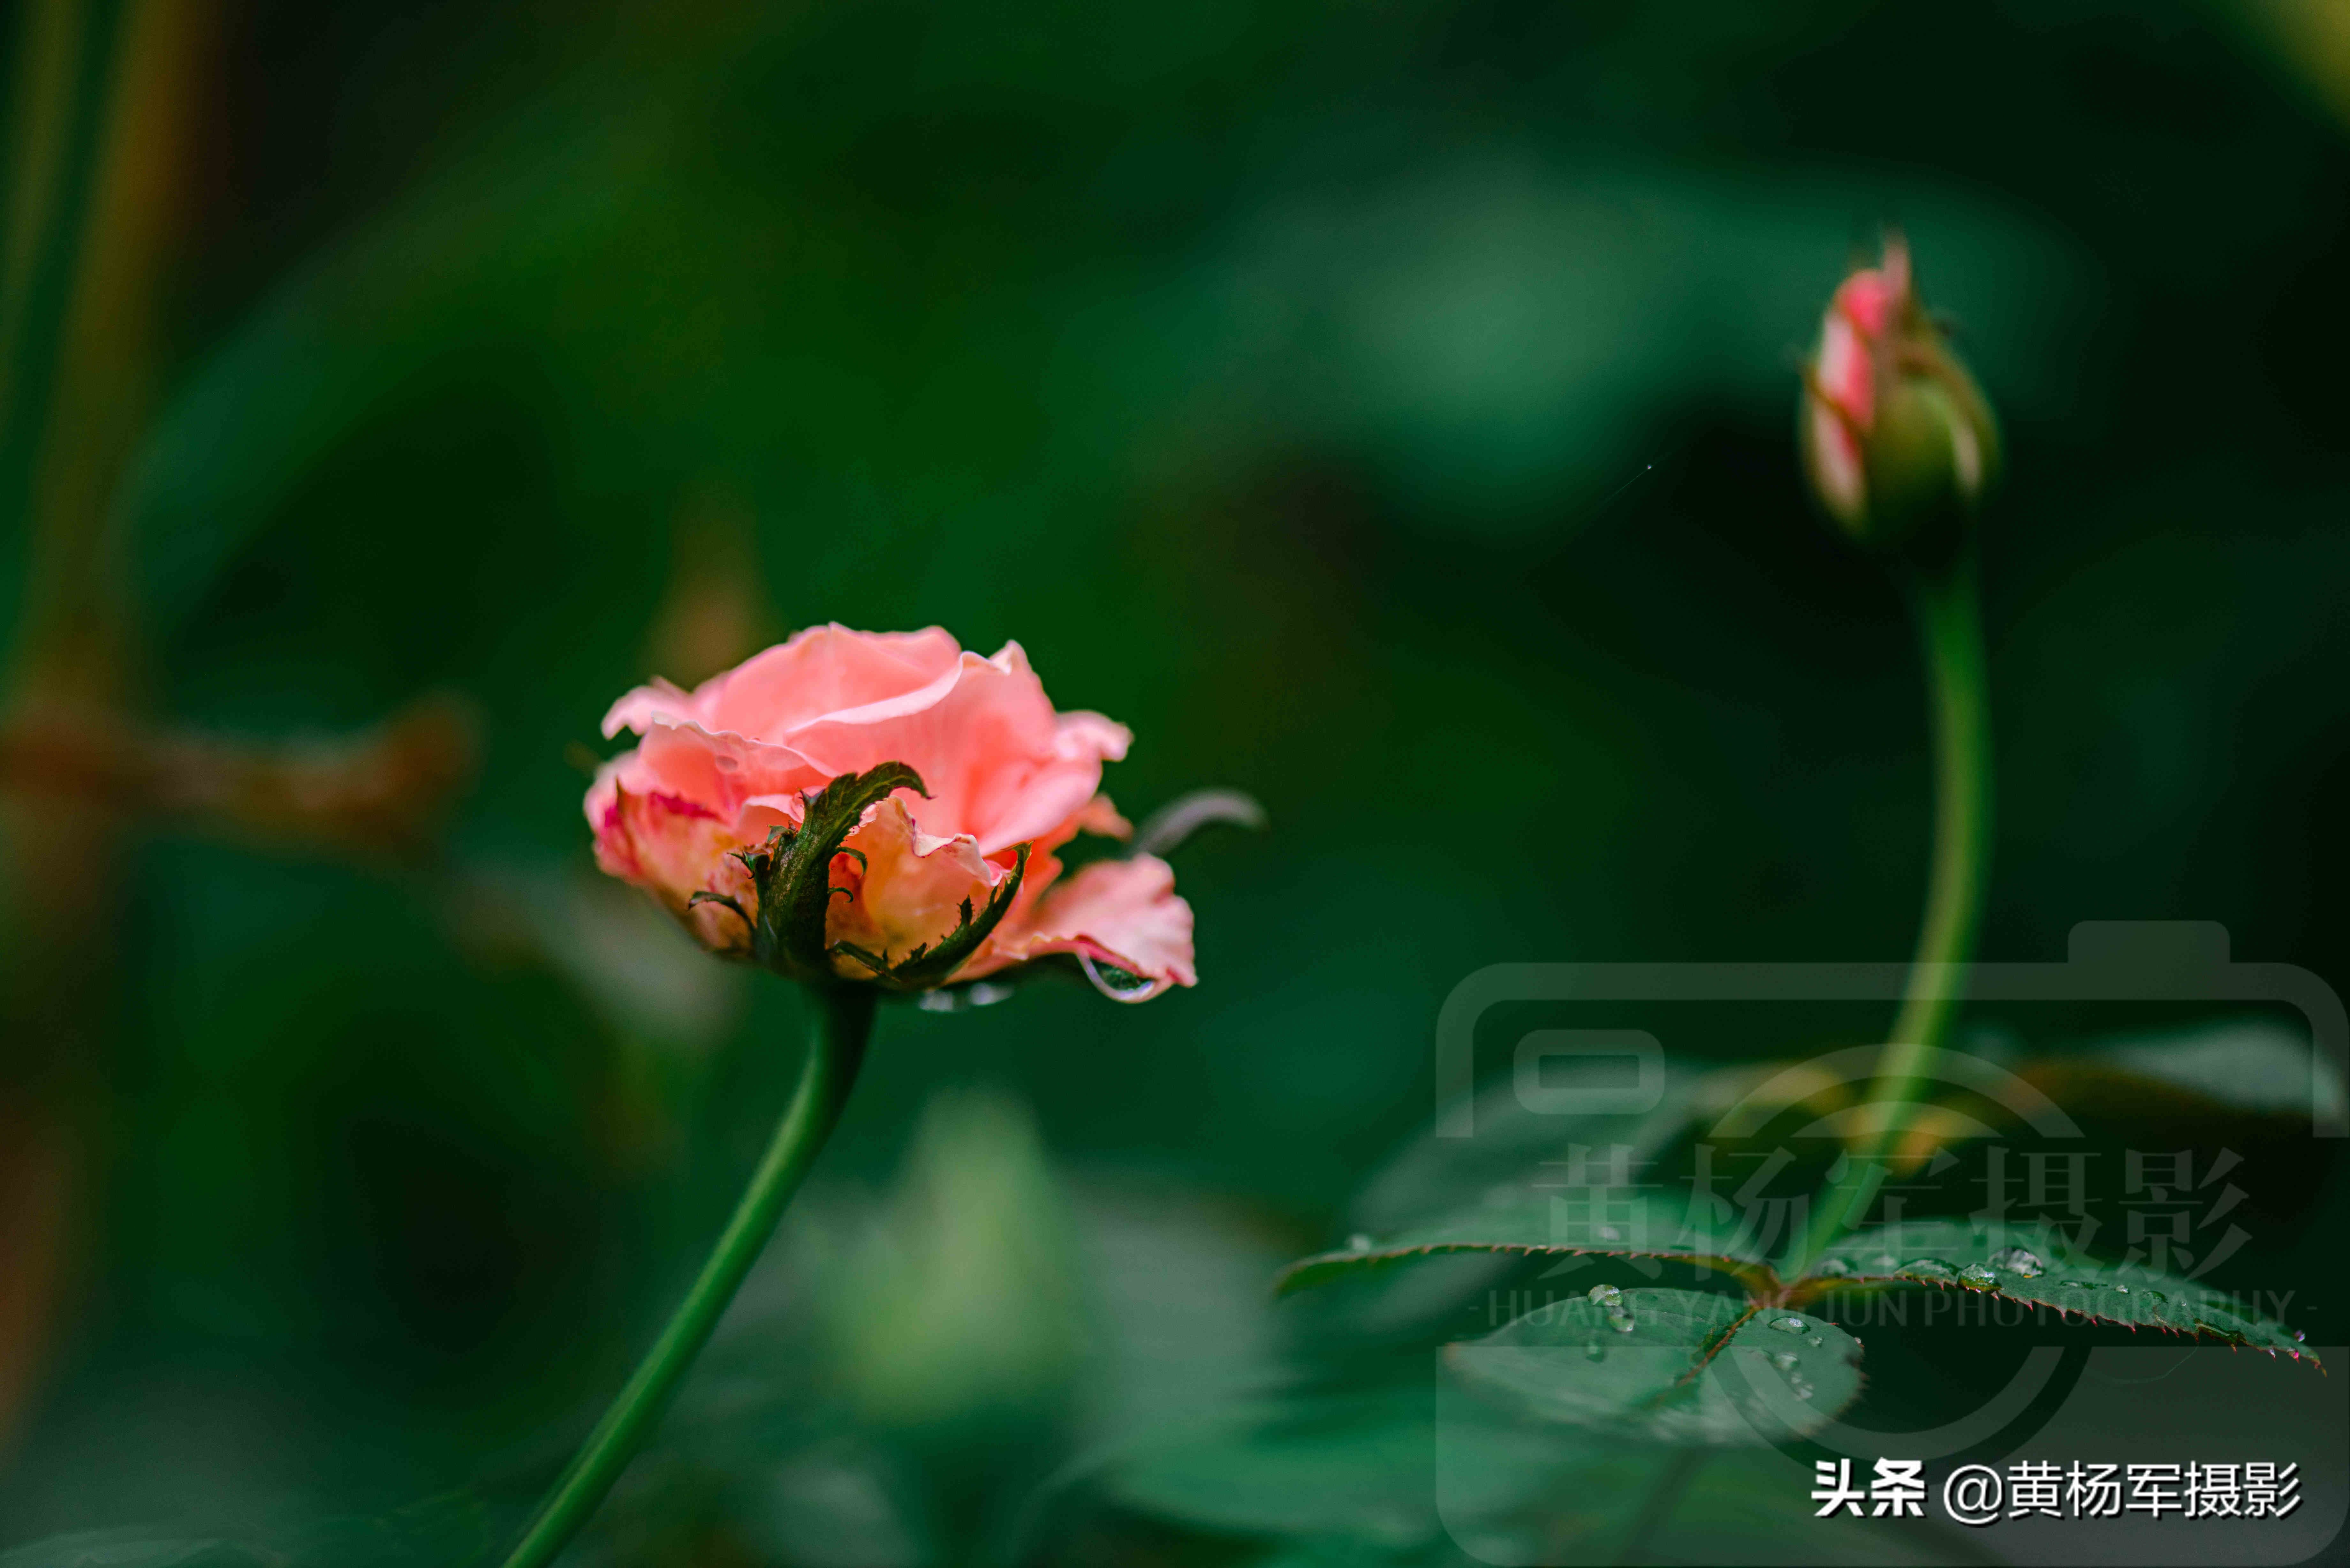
(674, 847)
(1000, 763)
(910, 888)
(1124, 912)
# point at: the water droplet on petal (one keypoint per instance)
(2019, 1261)
(1789, 1324)
(2151, 1298)
(1117, 984)
(1785, 1360)
(1606, 1295)
(1815, 1342)
(1979, 1277)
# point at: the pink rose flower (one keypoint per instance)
(1894, 429)
(690, 815)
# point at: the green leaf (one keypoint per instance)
(1669, 1366)
(1545, 1226)
(2035, 1264)
(2251, 1065)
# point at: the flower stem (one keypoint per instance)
(1948, 606)
(844, 1021)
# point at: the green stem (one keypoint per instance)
(1948, 609)
(844, 1022)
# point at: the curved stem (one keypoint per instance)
(844, 1022)
(1948, 609)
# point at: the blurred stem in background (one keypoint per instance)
(1946, 602)
(842, 1023)
(107, 95)
(95, 216)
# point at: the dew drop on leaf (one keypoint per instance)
(2019, 1261)
(1358, 1242)
(1610, 1301)
(1929, 1269)
(1789, 1324)
(1832, 1268)
(1979, 1277)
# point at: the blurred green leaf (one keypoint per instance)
(1366, 1465)
(136, 1549)
(2255, 1064)
(448, 1531)
(1669, 1366)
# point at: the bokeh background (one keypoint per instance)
(1387, 410)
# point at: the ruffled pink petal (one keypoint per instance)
(674, 847)
(823, 670)
(1124, 912)
(720, 771)
(909, 890)
(656, 702)
(1000, 764)
(827, 669)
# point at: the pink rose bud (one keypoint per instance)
(1896, 436)
(883, 807)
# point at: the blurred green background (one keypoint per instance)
(1387, 410)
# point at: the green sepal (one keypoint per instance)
(725, 900)
(930, 964)
(793, 870)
